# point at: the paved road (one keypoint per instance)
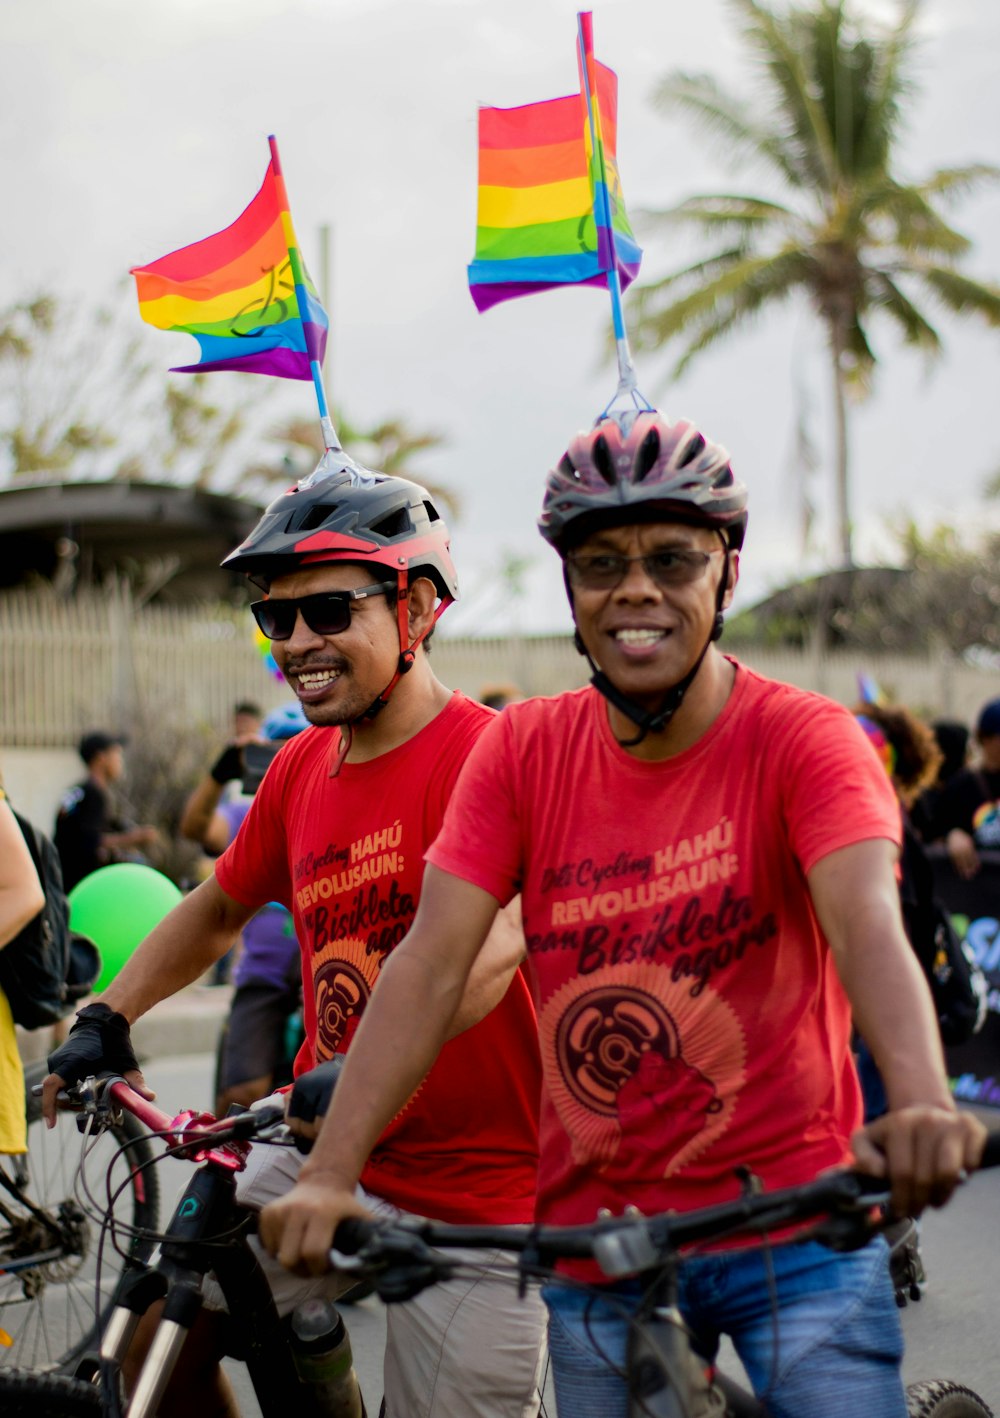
(951, 1333)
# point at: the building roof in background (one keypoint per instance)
(168, 540)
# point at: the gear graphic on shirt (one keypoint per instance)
(639, 1072)
(344, 975)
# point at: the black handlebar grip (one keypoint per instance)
(352, 1233)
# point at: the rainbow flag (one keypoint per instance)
(243, 293)
(540, 183)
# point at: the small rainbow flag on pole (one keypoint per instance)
(243, 293)
(551, 211)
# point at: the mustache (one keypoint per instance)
(324, 662)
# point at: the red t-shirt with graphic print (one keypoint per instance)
(345, 854)
(690, 1016)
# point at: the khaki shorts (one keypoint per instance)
(466, 1348)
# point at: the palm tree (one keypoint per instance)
(845, 230)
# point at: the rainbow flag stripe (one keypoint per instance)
(243, 293)
(536, 227)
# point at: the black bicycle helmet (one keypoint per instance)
(657, 471)
(350, 514)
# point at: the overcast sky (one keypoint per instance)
(134, 128)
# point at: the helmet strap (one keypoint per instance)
(649, 721)
(407, 651)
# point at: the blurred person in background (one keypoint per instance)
(21, 900)
(498, 696)
(908, 751)
(248, 719)
(268, 973)
(87, 835)
(952, 737)
(967, 812)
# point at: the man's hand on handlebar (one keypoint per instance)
(99, 1042)
(923, 1150)
(298, 1228)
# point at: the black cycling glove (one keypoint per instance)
(312, 1091)
(228, 765)
(99, 1042)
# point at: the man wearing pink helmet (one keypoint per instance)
(356, 568)
(706, 865)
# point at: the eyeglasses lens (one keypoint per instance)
(326, 614)
(605, 571)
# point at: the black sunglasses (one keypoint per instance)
(327, 613)
(605, 570)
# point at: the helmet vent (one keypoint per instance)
(395, 524)
(312, 518)
(603, 461)
(433, 515)
(694, 450)
(567, 469)
(649, 451)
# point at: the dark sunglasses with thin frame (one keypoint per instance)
(326, 613)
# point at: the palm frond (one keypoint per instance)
(961, 294)
(891, 215)
(916, 329)
(735, 293)
(782, 50)
(725, 120)
(951, 182)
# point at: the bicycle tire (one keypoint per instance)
(941, 1398)
(51, 1312)
(24, 1394)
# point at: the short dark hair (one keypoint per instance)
(247, 706)
(96, 742)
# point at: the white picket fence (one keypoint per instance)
(66, 665)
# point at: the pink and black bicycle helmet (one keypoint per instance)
(645, 469)
(656, 471)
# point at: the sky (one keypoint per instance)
(132, 129)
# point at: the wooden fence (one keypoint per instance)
(101, 660)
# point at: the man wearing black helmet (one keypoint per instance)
(356, 568)
(706, 866)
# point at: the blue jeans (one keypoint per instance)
(839, 1342)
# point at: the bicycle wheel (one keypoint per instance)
(27, 1395)
(940, 1398)
(48, 1311)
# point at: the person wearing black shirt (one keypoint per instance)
(967, 814)
(86, 836)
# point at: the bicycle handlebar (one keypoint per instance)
(841, 1205)
(196, 1136)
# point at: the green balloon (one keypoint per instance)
(117, 907)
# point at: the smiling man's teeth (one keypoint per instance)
(316, 678)
(638, 637)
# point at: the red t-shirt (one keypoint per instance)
(346, 855)
(690, 1016)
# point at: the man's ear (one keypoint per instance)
(422, 600)
(733, 577)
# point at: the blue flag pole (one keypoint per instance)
(628, 387)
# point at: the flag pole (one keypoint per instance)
(627, 381)
(330, 439)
